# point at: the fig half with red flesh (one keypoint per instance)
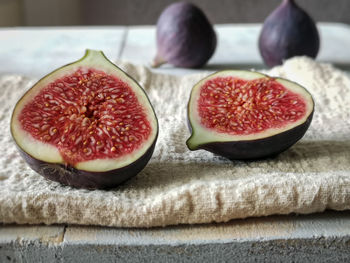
(87, 124)
(246, 115)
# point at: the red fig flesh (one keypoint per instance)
(247, 115)
(287, 32)
(185, 37)
(87, 124)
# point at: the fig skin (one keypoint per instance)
(71, 176)
(260, 148)
(185, 37)
(287, 32)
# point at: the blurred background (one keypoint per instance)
(142, 12)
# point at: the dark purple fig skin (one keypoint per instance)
(68, 175)
(287, 32)
(260, 148)
(185, 37)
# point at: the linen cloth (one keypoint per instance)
(183, 187)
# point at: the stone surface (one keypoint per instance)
(21, 243)
(53, 47)
(35, 52)
(309, 238)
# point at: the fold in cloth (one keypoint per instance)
(183, 187)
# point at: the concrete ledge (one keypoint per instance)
(323, 237)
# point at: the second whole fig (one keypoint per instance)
(287, 32)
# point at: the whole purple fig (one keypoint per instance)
(185, 37)
(287, 32)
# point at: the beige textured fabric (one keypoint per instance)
(179, 186)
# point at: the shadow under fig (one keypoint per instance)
(303, 157)
(261, 66)
(240, 66)
(312, 150)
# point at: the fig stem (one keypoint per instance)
(158, 61)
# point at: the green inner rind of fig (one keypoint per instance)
(203, 135)
(49, 153)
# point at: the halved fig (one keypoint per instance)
(247, 115)
(87, 124)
